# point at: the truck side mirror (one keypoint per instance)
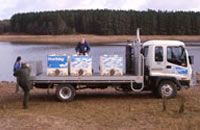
(191, 59)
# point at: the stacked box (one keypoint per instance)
(111, 65)
(57, 65)
(81, 66)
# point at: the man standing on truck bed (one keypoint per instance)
(83, 47)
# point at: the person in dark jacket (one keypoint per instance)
(16, 67)
(82, 48)
(23, 75)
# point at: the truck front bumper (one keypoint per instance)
(187, 83)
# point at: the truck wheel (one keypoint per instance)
(167, 89)
(65, 92)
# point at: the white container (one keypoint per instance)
(36, 67)
(81, 66)
(57, 65)
(111, 65)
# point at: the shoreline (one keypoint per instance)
(92, 39)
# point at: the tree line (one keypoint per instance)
(5, 26)
(107, 22)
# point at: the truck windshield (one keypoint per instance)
(176, 55)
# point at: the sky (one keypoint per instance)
(10, 7)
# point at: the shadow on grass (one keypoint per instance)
(113, 95)
(82, 96)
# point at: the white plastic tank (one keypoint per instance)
(57, 65)
(81, 65)
(111, 65)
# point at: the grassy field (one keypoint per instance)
(98, 110)
(92, 39)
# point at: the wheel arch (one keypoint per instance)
(158, 80)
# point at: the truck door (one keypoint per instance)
(176, 64)
(158, 67)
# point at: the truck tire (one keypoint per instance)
(167, 89)
(65, 92)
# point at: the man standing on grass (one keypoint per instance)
(16, 67)
(23, 75)
(82, 48)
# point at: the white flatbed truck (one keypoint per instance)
(162, 66)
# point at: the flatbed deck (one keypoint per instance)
(95, 78)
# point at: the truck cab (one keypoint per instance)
(167, 67)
